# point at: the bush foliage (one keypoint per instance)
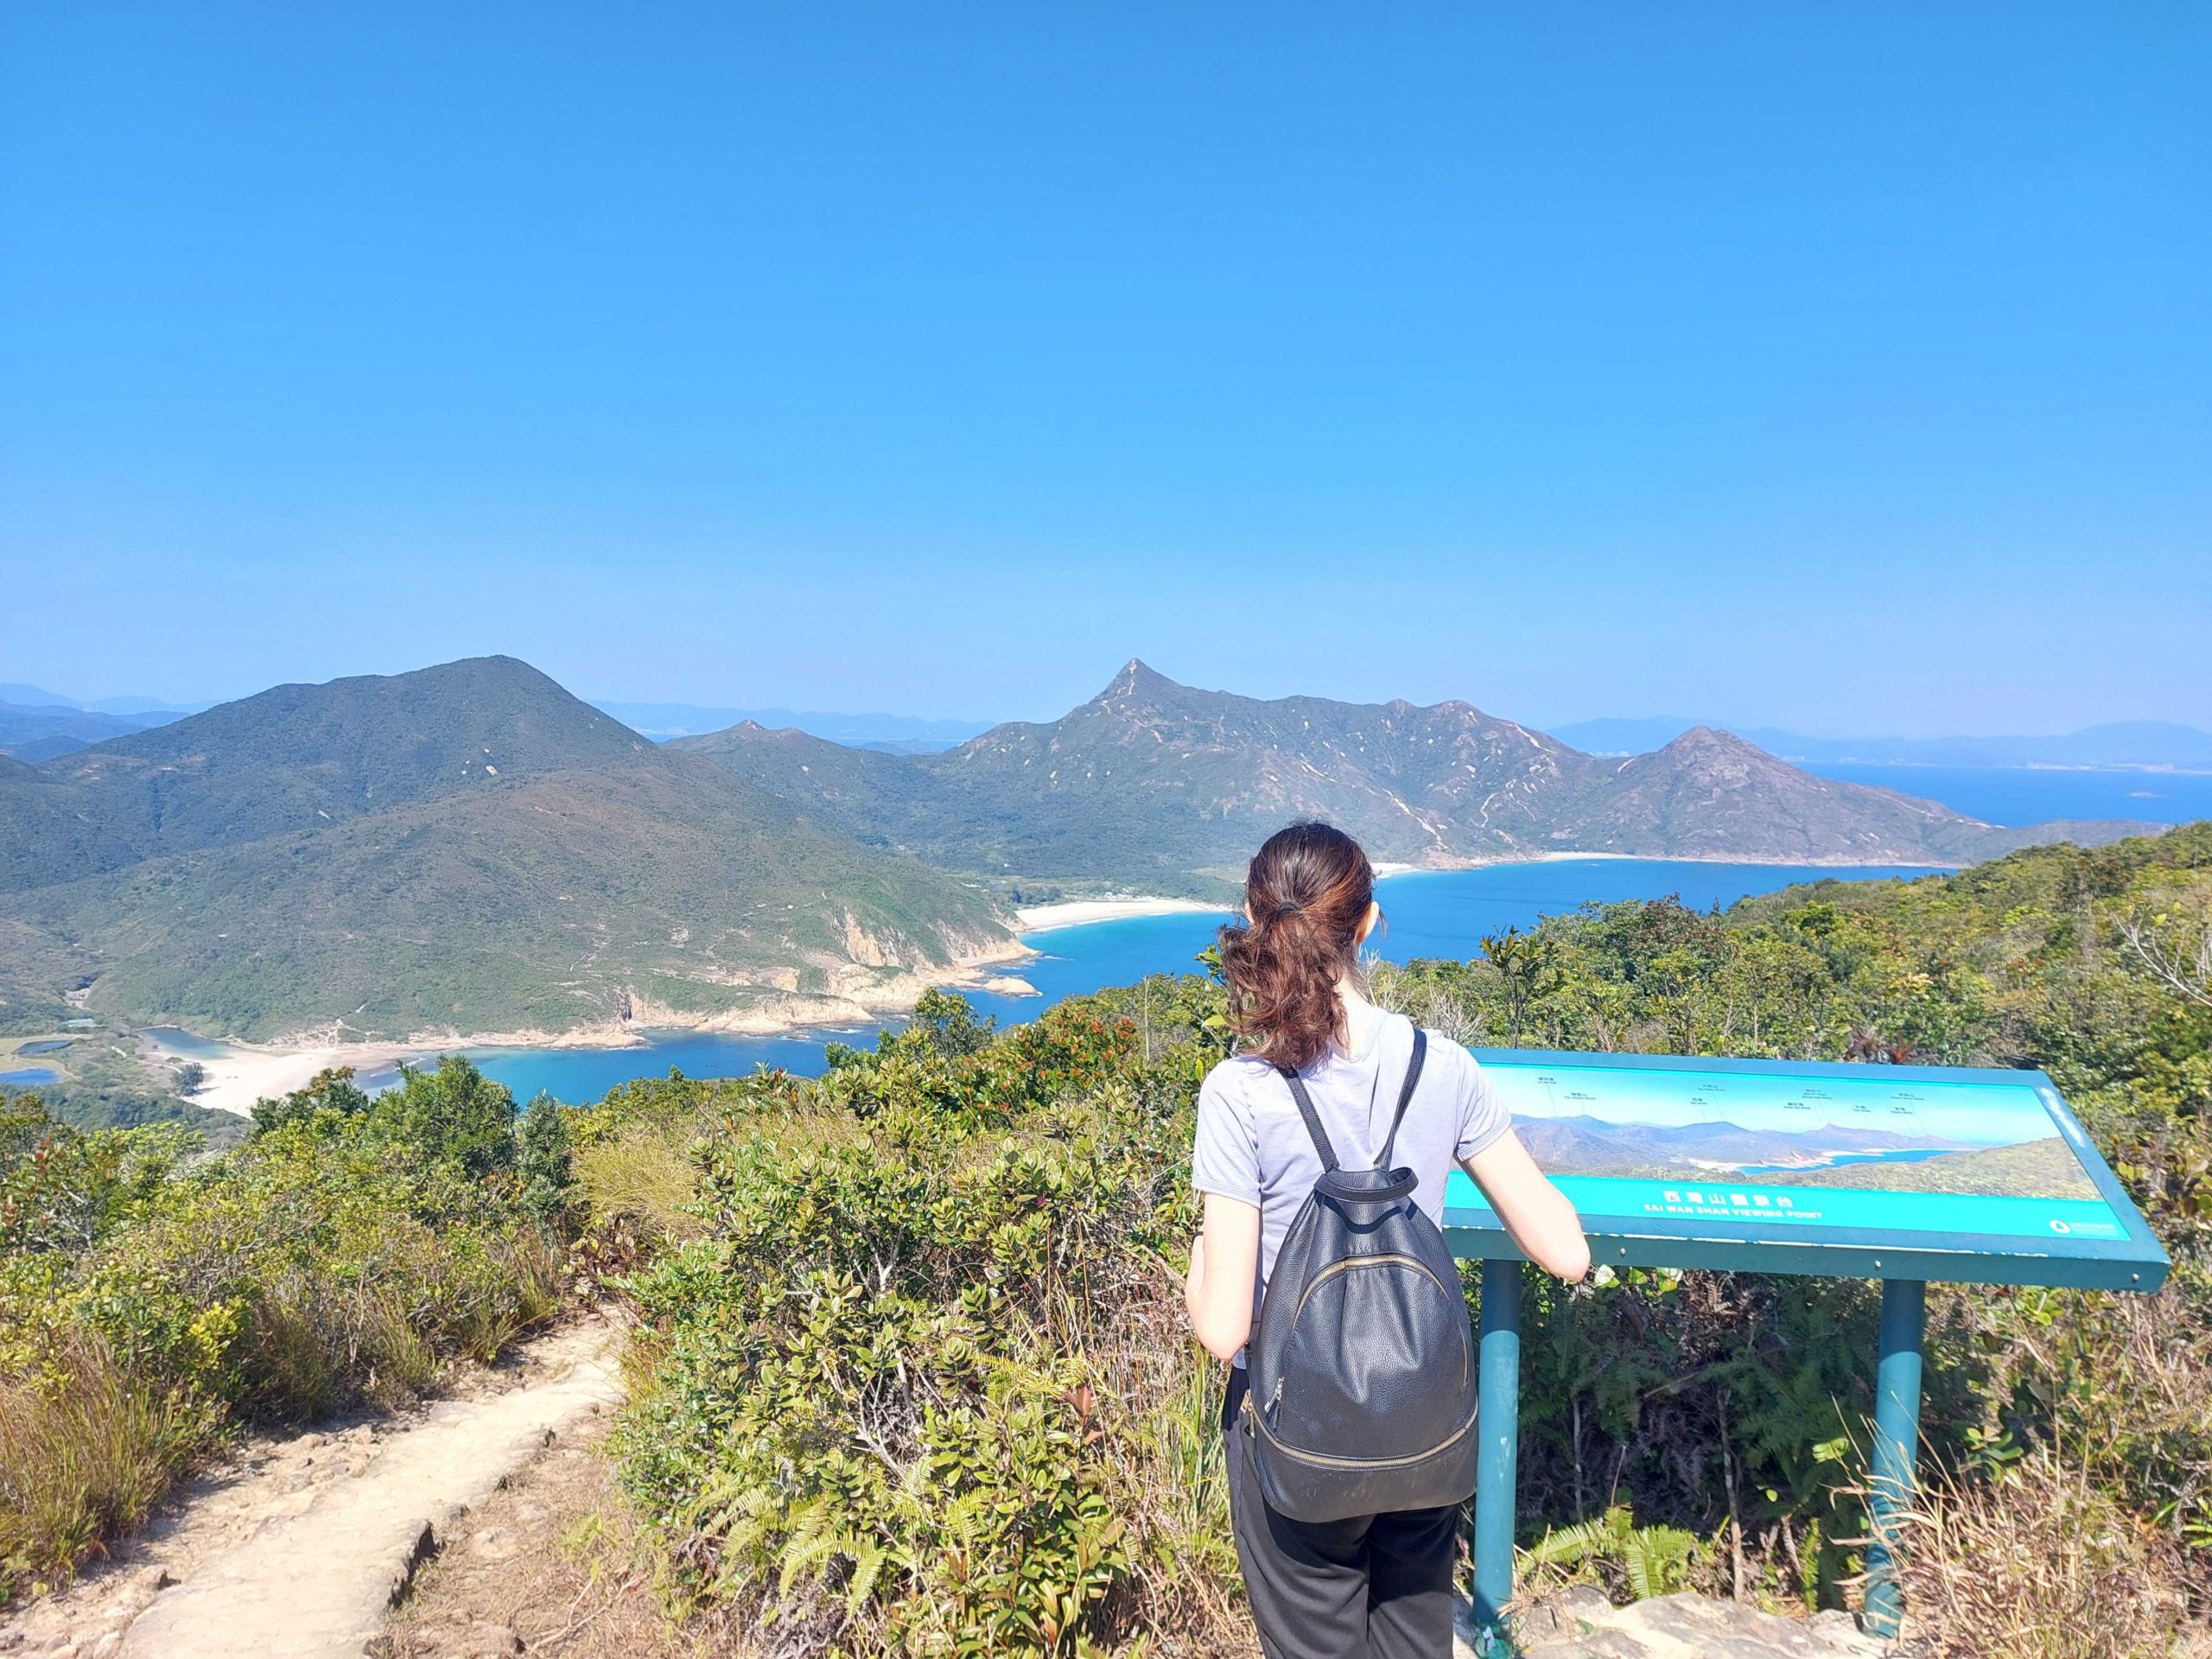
(916, 1379)
(150, 1298)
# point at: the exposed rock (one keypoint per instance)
(1575, 1611)
(1580, 1623)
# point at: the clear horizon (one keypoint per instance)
(1840, 371)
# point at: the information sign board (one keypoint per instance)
(1900, 1174)
(1880, 1172)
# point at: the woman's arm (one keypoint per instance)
(1536, 1214)
(1224, 1266)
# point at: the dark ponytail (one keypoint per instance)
(1306, 892)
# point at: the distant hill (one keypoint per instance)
(36, 724)
(1169, 787)
(909, 733)
(39, 732)
(2129, 744)
(1591, 1146)
(466, 848)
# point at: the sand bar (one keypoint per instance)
(236, 1075)
(1077, 912)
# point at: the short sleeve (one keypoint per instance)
(1226, 1159)
(1483, 1116)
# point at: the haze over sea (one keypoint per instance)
(2021, 795)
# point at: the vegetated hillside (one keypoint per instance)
(1711, 794)
(298, 757)
(2040, 1169)
(1171, 787)
(465, 849)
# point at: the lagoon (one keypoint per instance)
(1425, 913)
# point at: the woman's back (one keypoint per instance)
(1378, 1585)
(1253, 1146)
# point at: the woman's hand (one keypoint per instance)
(1535, 1214)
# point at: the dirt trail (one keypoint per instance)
(298, 1547)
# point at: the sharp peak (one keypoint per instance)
(1708, 739)
(1137, 675)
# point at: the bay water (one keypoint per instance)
(1425, 913)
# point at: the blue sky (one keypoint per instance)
(1840, 367)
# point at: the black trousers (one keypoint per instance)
(1377, 1587)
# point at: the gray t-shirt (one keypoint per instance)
(1252, 1144)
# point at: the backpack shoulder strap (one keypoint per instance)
(1405, 1095)
(1313, 1118)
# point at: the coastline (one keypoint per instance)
(237, 1073)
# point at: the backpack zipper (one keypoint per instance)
(1326, 1461)
(1386, 1257)
(1330, 1272)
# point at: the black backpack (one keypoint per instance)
(1362, 1369)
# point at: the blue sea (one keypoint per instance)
(1425, 913)
(2010, 795)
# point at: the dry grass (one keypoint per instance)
(1184, 1594)
(2039, 1565)
(642, 1171)
(84, 1454)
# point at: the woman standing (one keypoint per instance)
(1381, 1584)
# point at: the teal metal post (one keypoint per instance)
(1896, 1441)
(1499, 1425)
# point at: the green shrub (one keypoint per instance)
(910, 1396)
(350, 1250)
(914, 1375)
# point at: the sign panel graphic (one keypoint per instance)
(1810, 1154)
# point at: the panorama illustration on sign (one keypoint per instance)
(1765, 1150)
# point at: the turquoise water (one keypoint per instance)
(1425, 913)
(30, 1076)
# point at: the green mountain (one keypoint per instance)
(1168, 787)
(467, 848)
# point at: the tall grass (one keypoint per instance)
(2037, 1562)
(84, 1452)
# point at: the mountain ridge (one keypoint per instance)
(2133, 745)
(1157, 783)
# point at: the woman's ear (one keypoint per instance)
(1368, 923)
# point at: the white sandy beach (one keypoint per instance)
(239, 1074)
(1075, 912)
